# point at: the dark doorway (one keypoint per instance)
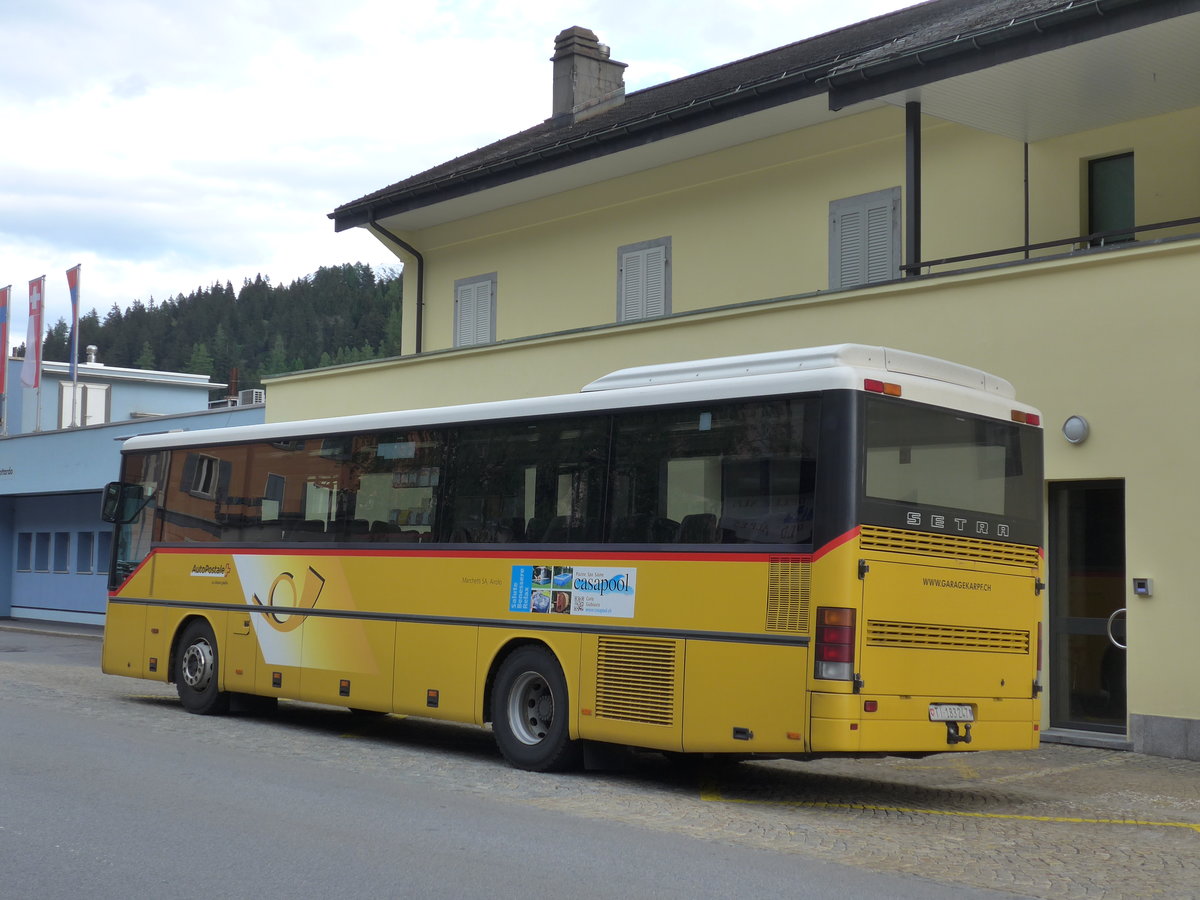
(1087, 600)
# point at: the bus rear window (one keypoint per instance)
(923, 456)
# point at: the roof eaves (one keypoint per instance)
(911, 64)
(696, 112)
(863, 61)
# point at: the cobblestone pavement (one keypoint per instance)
(1059, 822)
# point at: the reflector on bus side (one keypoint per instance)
(882, 387)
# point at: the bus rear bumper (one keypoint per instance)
(841, 723)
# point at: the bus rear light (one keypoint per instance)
(834, 652)
(835, 634)
(881, 387)
(1026, 418)
(835, 615)
(870, 705)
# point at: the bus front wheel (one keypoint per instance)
(196, 671)
(530, 711)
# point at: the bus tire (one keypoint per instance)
(530, 712)
(197, 671)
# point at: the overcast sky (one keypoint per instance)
(172, 144)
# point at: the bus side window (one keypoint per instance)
(519, 481)
(738, 472)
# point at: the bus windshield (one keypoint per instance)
(924, 457)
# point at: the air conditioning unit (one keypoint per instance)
(254, 395)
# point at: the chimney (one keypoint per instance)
(586, 80)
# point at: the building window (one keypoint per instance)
(41, 551)
(644, 280)
(864, 239)
(1110, 199)
(84, 542)
(475, 310)
(89, 406)
(62, 551)
(273, 493)
(200, 474)
(103, 551)
(25, 551)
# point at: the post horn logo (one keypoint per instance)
(284, 595)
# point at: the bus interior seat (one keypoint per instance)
(558, 531)
(306, 530)
(645, 529)
(698, 528)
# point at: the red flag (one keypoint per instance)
(4, 292)
(31, 369)
(73, 344)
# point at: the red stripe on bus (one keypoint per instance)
(850, 535)
(591, 555)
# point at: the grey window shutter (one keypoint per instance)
(644, 283)
(483, 312)
(864, 239)
(654, 301)
(632, 285)
(882, 264)
(464, 319)
(473, 313)
(848, 239)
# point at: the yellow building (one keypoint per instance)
(1014, 185)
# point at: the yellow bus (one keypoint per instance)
(801, 553)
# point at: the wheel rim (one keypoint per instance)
(196, 668)
(530, 708)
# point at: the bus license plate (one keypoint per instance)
(950, 712)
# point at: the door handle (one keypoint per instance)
(1109, 628)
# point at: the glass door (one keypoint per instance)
(1087, 601)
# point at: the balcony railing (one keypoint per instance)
(1095, 239)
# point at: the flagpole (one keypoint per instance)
(4, 297)
(31, 368)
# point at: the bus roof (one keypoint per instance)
(839, 367)
(859, 356)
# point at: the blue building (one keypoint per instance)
(54, 550)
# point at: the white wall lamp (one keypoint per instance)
(1076, 429)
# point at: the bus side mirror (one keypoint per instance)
(112, 502)
(121, 502)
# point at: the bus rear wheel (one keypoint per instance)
(196, 671)
(529, 713)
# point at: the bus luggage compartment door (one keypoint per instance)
(942, 632)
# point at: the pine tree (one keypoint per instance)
(200, 362)
(57, 343)
(145, 359)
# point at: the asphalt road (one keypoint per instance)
(109, 789)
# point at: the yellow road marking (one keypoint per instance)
(711, 794)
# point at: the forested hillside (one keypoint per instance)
(343, 314)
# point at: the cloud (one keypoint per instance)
(170, 145)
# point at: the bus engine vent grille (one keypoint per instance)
(789, 579)
(923, 636)
(948, 545)
(636, 680)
